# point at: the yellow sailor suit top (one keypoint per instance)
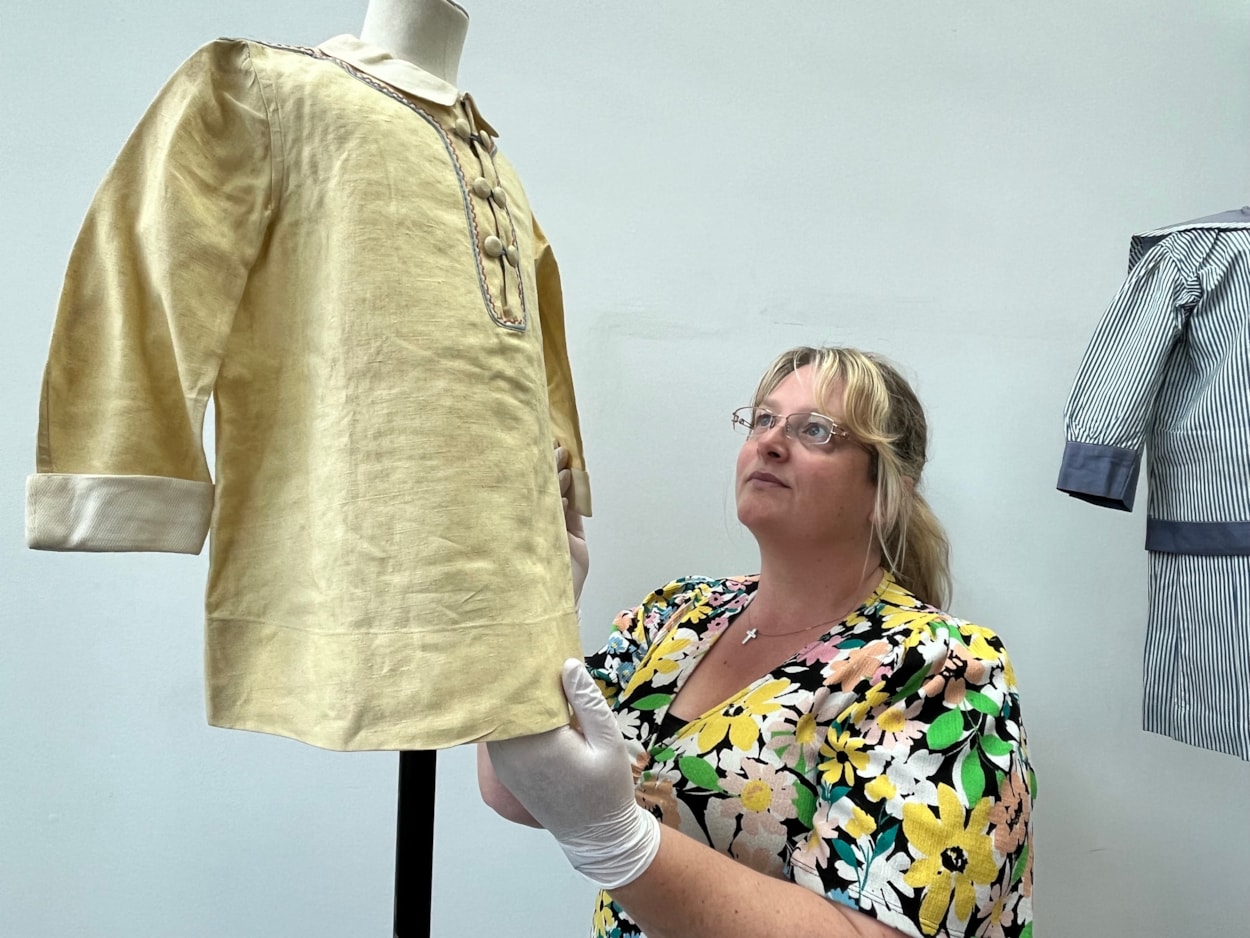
(330, 243)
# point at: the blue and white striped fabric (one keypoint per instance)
(1168, 369)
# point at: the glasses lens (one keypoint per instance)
(812, 428)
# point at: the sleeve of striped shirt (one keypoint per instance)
(1119, 379)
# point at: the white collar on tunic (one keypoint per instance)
(401, 74)
(397, 73)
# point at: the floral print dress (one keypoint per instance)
(883, 766)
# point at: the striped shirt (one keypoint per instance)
(1168, 369)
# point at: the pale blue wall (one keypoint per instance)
(951, 182)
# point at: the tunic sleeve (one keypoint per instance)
(148, 302)
(564, 421)
(924, 795)
(1118, 380)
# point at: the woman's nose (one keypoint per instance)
(774, 440)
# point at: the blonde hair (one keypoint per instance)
(883, 413)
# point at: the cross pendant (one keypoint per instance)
(751, 633)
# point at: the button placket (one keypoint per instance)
(501, 244)
(450, 126)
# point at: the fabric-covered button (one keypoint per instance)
(484, 139)
(513, 255)
(463, 130)
(492, 246)
(481, 188)
(500, 197)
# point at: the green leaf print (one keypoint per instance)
(994, 746)
(983, 703)
(651, 702)
(973, 778)
(945, 730)
(846, 853)
(662, 755)
(1020, 865)
(1028, 931)
(805, 806)
(698, 772)
(834, 793)
(910, 687)
(885, 841)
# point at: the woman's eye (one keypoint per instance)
(815, 432)
(765, 421)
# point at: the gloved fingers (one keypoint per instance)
(593, 716)
(563, 474)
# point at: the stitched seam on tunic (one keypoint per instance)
(227, 620)
(277, 150)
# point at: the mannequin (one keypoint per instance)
(428, 33)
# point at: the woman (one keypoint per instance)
(829, 753)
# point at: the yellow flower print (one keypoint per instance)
(660, 662)
(605, 917)
(756, 796)
(977, 638)
(858, 711)
(738, 720)
(695, 609)
(842, 758)
(956, 855)
(881, 788)
(916, 623)
(805, 730)
(860, 824)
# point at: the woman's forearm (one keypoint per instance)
(496, 794)
(691, 891)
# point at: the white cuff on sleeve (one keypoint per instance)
(117, 513)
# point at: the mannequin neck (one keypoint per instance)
(427, 33)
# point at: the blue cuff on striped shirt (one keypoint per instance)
(1204, 538)
(1102, 475)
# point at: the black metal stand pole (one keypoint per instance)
(414, 844)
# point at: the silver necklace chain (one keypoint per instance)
(753, 633)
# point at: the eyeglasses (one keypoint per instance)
(814, 430)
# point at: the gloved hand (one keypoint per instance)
(580, 787)
(579, 555)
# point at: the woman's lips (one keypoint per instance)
(766, 477)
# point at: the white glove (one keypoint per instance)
(579, 555)
(580, 787)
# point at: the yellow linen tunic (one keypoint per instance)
(330, 243)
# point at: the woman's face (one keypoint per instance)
(821, 496)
